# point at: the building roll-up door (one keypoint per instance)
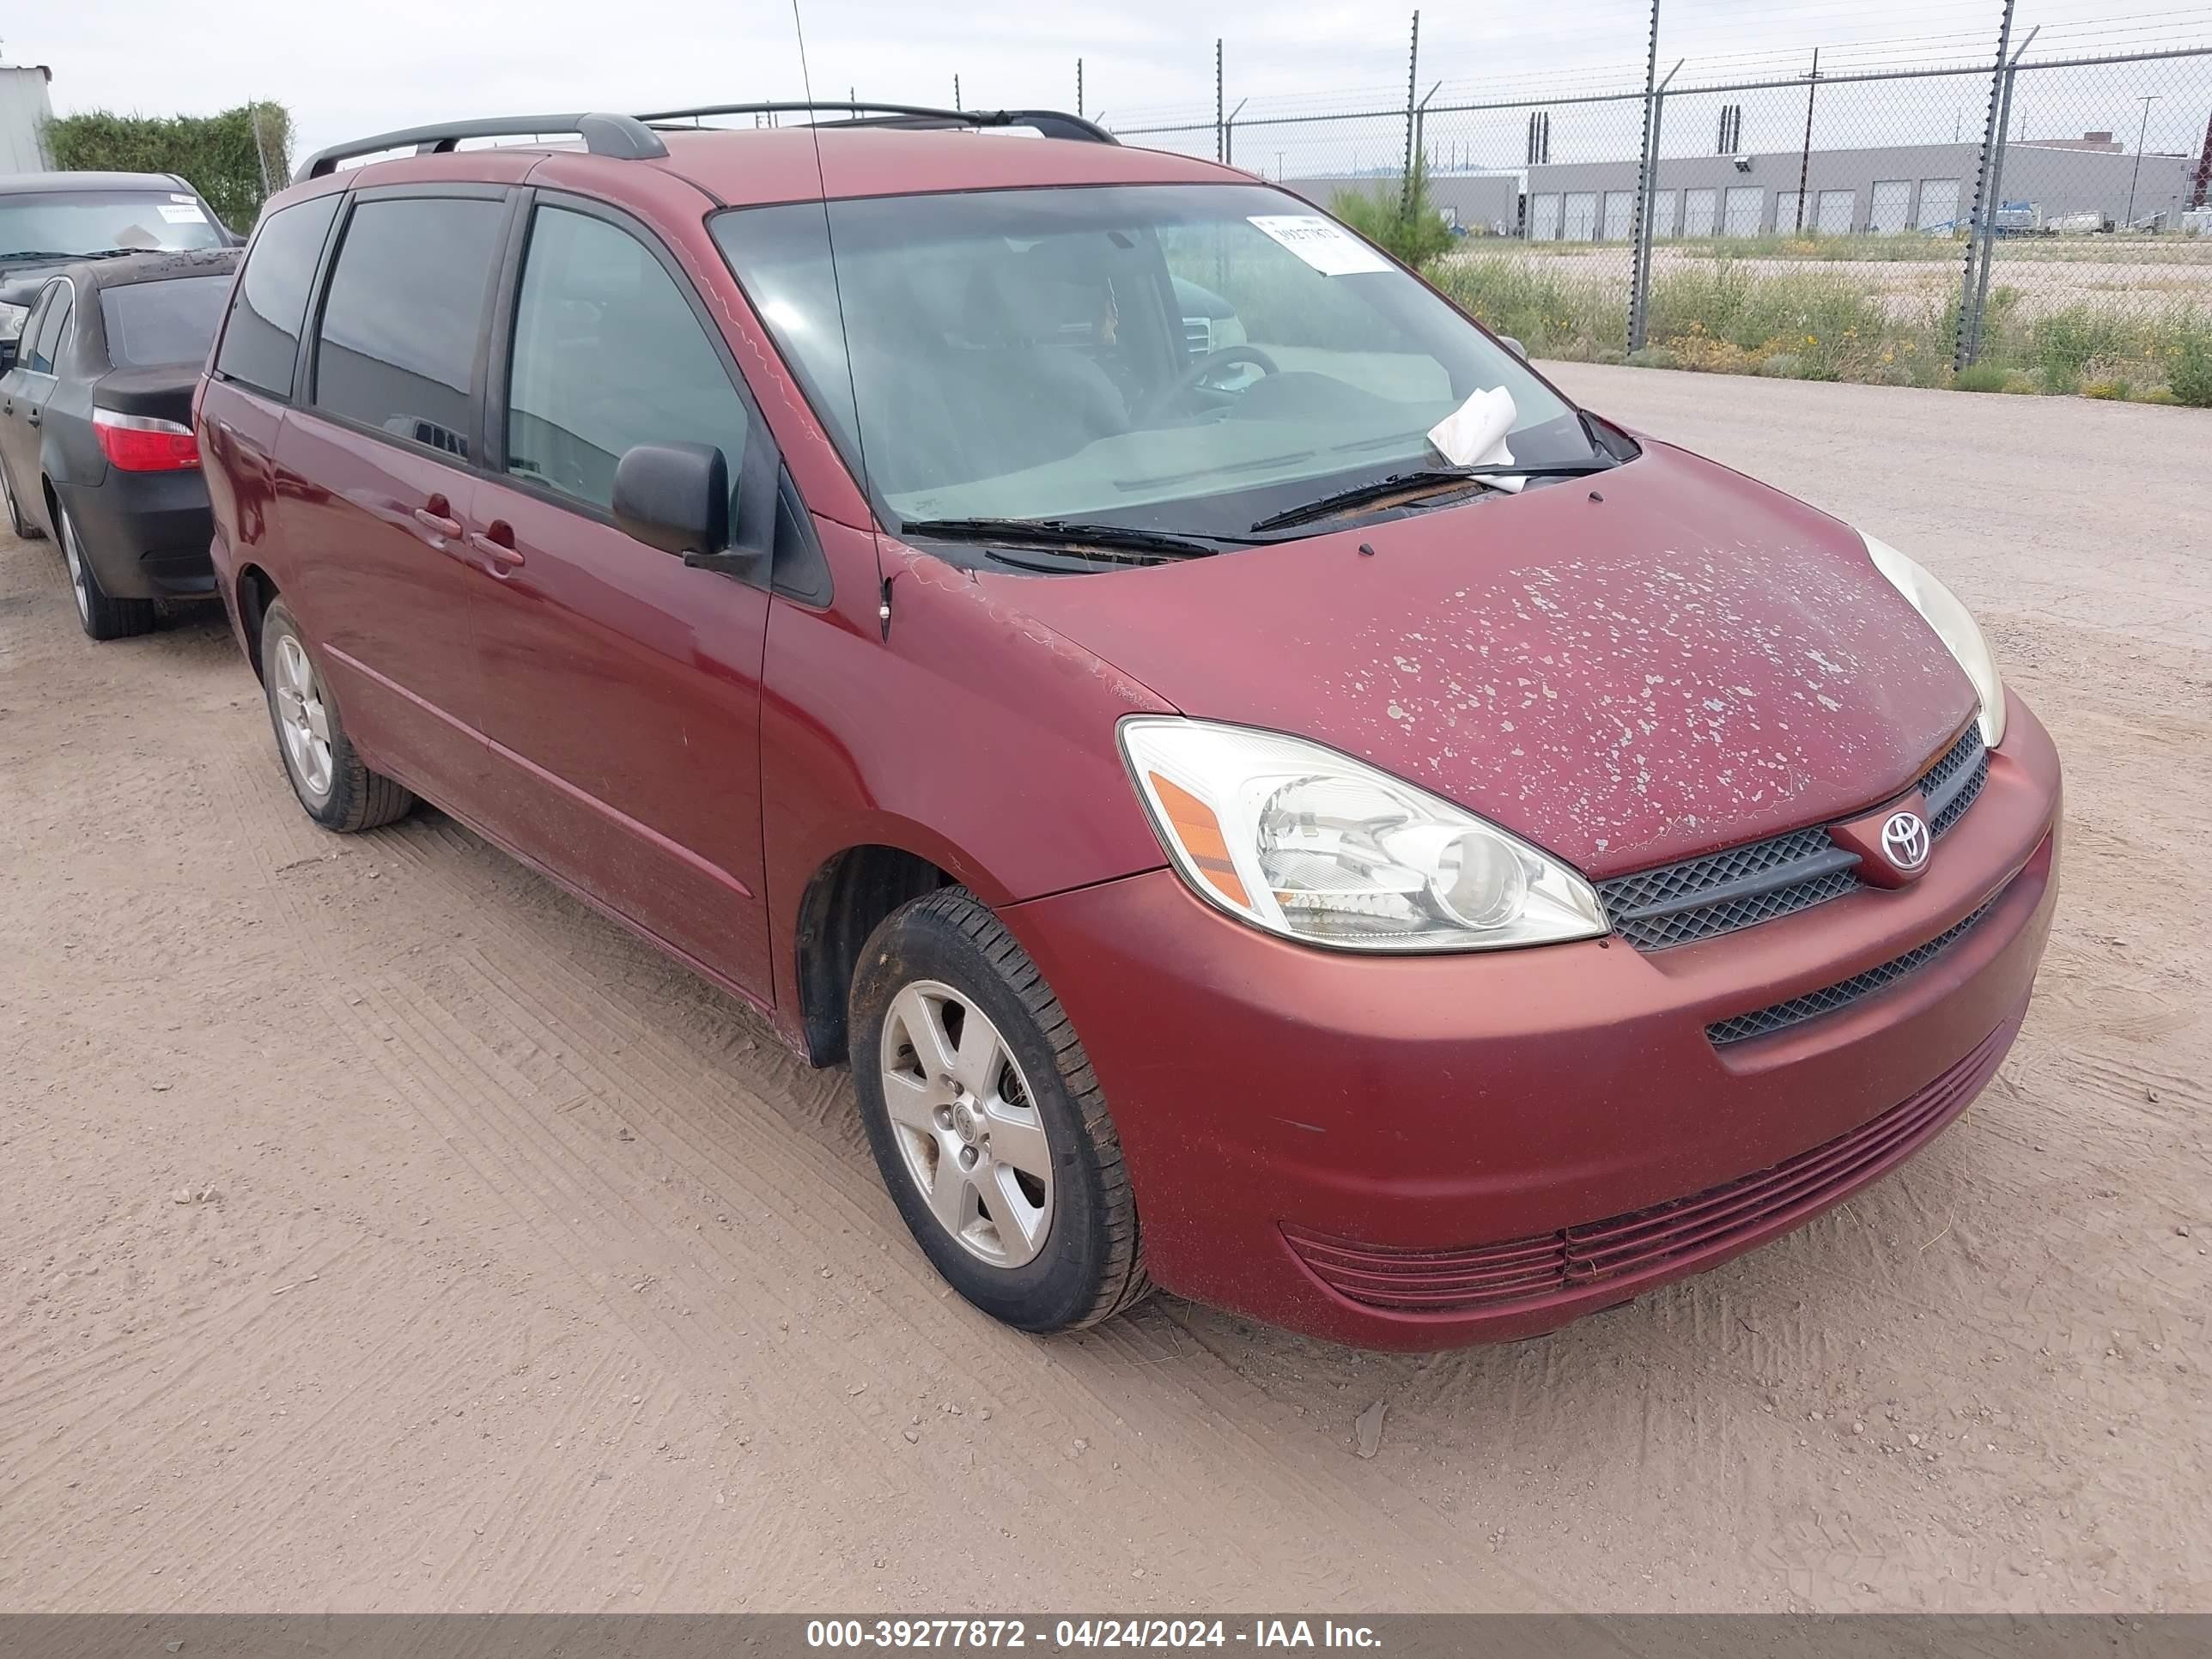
(1892, 205)
(1744, 202)
(1700, 209)
(1939, 204)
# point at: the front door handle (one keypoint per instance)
(35, 418)
(497, 545)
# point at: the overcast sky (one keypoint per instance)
(345, 70)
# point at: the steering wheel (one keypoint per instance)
(1198, 371)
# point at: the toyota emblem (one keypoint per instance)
(1905, 842)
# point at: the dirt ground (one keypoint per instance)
(378, 1230)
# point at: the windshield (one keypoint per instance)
(1178, 357)
(170, 322)
(74, 223)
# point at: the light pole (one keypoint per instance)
(2142, 132)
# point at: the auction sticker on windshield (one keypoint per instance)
(1326, 246)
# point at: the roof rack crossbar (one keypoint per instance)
(623, 137)
(1052, 123)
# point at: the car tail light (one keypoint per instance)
(144, 443)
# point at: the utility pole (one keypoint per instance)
(1412, 77)
(956, 92)
(1220, 142)
(1636, 274)
(1805, 155)
(2142, 133)
(1968, 339)
(1996, 189)
(1647, 192)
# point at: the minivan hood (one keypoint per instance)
(1626, 670)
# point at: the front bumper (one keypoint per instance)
(146, 533)
(1427, 1127)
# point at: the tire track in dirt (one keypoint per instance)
(655, 1078)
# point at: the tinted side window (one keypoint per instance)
(607, 354)
(35, 323)
(47, 346)
(399, 341)
(169, 322)
(263, 335)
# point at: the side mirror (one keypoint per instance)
(1514, 346)
(675, 497)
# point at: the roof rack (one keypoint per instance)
(623, 137)
(631, 138)
(1052, 123)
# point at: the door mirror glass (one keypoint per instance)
(674, 496)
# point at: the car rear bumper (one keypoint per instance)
(146, 533)
(1422, 1151)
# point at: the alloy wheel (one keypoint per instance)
(79, 580)
(303, 720)
(967, 1126)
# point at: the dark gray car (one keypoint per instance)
(96, 445)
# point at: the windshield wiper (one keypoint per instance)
(57, 253)
(1110, 541)
(1420, 479)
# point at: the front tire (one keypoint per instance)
(101, 617)
(334, 787)
(990, 1130)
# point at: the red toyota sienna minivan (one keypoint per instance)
(1270, 799)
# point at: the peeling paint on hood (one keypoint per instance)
(1690, 661)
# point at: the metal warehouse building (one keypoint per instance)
(1895, 187)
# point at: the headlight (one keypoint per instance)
(1954, 624)
(12, 319)
(1316, 846)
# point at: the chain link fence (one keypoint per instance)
(2023, 224)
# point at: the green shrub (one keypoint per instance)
(2189, 365)
(2063, 344)
(1403, 222)
(1823, 318)
(2108, 390)
(2162, 395)
(1981, 377)
(225, 157)
(1568, 319)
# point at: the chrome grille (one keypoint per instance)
(1739, 886)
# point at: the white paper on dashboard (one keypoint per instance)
(1326, 246)
(1473, 435)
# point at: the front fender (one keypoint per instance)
(974, 737)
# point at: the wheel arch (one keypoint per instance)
(255, 590)
(844, 900)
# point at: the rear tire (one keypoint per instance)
(333, 786)
(101, 617)
(957, 1043)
